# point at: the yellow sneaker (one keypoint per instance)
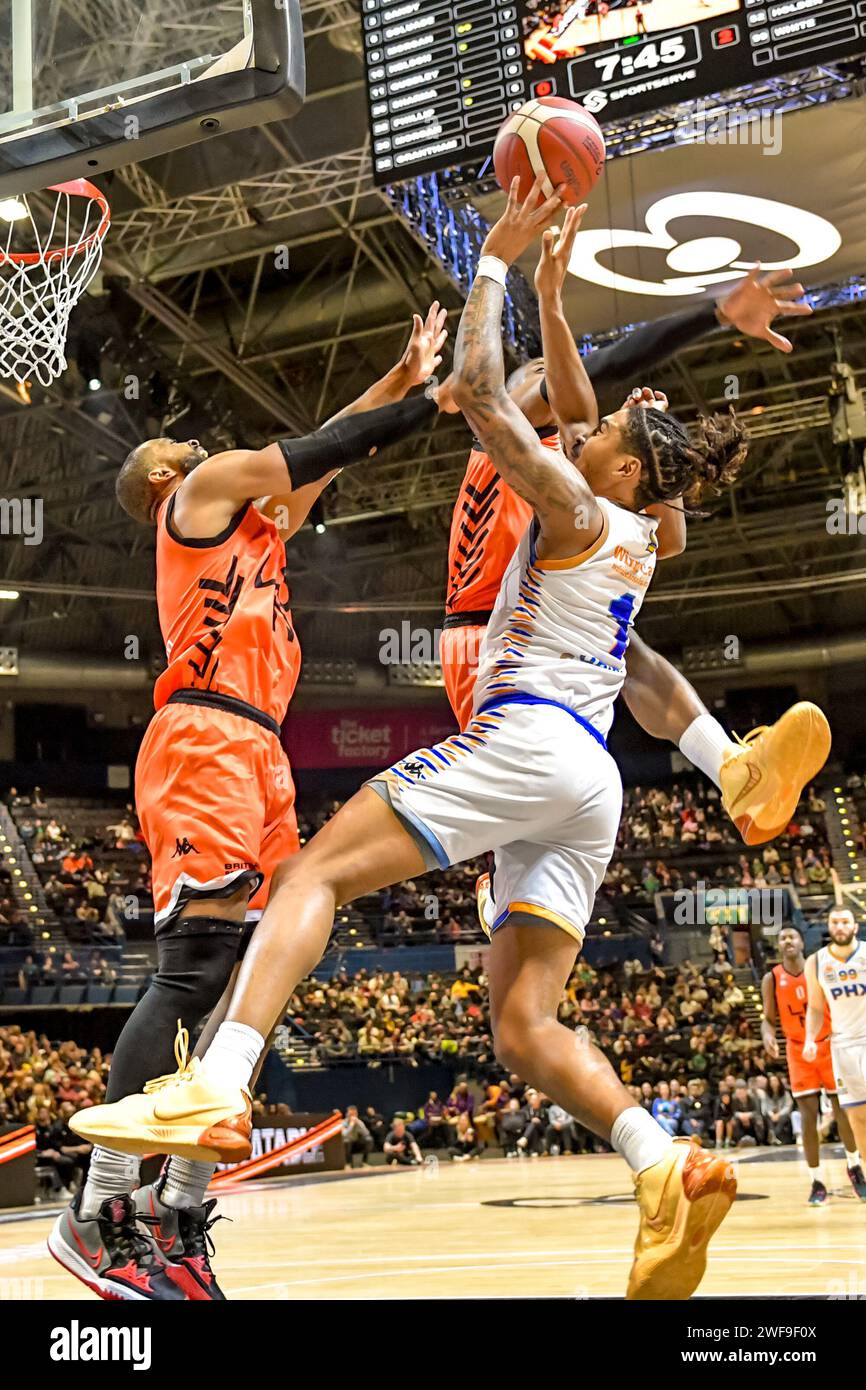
(184, 1113)
(762, 784)
(683, 1200)
(484, 903)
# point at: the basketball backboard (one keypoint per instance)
(88, 85)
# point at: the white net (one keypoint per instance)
(47, 260)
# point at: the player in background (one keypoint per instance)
(214, 789)
(531, 778)
(836, 985)
(761, 777)
(783, 990)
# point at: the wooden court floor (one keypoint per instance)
(553, 1226)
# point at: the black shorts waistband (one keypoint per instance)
(230, 703)
(478, 619)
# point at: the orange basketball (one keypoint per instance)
(553, 136)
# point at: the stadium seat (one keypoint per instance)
(71, 994)
(98, 994)
(126, 994)
(43, 994)
(14, 995)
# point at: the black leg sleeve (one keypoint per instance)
(193, 970)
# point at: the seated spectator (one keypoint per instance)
(697, 1111)
(534, 1112)
(356, 1137)
(436, 1126)
(399, 1147)
(665, 1110)
(746, 1119)
(511, 1126)
(29, 973)
(464, 1144)
(561, 1133)
(777, 1107)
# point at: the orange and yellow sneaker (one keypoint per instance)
(763, 782)
(683, 1200)
(186, 1113)
(484, 903)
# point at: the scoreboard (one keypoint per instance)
(443, 74)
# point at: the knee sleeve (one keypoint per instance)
(195, 959)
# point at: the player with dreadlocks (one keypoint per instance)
(529, 778)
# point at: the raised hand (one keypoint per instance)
(424, 351)
(556, 250)
(644, 397)
(521, 223)
(757, 299)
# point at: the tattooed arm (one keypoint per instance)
(568, 514)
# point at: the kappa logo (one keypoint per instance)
(183, 847)
(413, 768)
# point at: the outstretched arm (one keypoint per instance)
(422, 356)
(210, 496)
(568, 514)
(570, 393)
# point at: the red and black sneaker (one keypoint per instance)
(111, 1254)
(183, 1235)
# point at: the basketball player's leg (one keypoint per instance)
(528, 968)
(200, 896)
(456, 800)
(761, 780)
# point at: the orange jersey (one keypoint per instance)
(791, 1006)
(224, 613)
(488, 521)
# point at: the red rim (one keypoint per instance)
(79, 188)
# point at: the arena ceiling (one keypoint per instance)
(230, 344)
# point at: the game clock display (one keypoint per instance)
(441, 77)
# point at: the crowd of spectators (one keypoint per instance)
(86, 875)
(524, 1123)
(43, 1083)
(63, 968)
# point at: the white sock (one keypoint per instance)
(186, 1183)
(853, 1160)
(110, 1175)
(233, 1054)
(706, 744)
(817, 1174)
(639, 1138)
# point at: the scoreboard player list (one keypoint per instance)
(441, 78)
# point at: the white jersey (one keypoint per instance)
(844, 986)
(560, 628)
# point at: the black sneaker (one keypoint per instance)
(184, 1237)
(112, 1255)
(858, 1182)
(819, 1194)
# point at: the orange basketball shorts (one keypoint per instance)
(216, 801)
(809, 1077)
(458, 655)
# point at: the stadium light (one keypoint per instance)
(12, 210)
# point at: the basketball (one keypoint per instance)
(553, 136)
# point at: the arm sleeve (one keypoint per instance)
(649, 345)
(350, 439)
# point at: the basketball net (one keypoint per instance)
(40, 287)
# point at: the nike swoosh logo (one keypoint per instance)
(92, 1260)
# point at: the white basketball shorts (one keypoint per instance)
(849, 1065)
(530, 782)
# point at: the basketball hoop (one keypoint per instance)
(40, 288)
